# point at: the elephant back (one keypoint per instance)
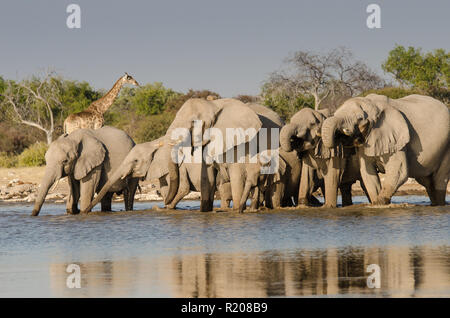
(118, 144)
(268, 117)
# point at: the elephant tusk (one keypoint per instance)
(347, 131)
(54, 185)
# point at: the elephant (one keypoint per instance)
(274, 189)
(207, 112)
(337, 167)
(147, 161)
(284, 184)
(88, 158)
(220, 114)
(405, 137)
(164, 159)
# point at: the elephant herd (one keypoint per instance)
(246, 151)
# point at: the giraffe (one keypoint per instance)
(92, 117)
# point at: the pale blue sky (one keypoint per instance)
(226, 46)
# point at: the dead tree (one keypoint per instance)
(324, 75)
(33, 102)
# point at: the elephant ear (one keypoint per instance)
(236, 115)
(281, 169)
(389, 134)
(91, 154)
(159, 164)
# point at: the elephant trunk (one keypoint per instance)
(173, 182)
(121, 172)
(286, 134)
(46, 183)
(329, 127)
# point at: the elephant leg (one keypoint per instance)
(253, 178)
(237, 184)
(225, 195)
(427, 182)
(331, 180)
(183, 190)
(363, 187)
(267, 197)
(370, 178)
(332, 170)
(396, 174)
(106, 202)
(346, 192)
(440, 181)
(125, 197)
(244, 197)
(73, 197)
(255, 199)
(87, 188)
(207, 187)
(306, 184)
(276, 198)
(183, 187)
(131, 191)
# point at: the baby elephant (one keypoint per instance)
(88, 158)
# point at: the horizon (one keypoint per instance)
(229, 48)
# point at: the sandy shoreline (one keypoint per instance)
(21, 184)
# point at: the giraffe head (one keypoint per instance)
(128, 79)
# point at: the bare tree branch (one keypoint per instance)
(323, 76)
(33, 102)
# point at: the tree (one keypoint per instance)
(428, 72)
(283, 101)
(335, 73)
(248, 98)
(76, 96)
(151, 99)
(34, 102)
(174, 104)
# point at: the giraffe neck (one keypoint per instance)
(101, 105)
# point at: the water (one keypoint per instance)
(185, 253)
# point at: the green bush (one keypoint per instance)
(7, 160)
(33, 155)
(153, 127)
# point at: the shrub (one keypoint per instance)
(33, 155)
(7, 160)
(153, 127)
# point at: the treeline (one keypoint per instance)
(32, 111)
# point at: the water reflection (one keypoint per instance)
(405, 272)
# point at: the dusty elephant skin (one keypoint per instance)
(149, 161)
(88, 158)
(153, 160)
(241, 179)
(406, 137)
(337, 167)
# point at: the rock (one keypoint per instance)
(192, 196)
(13, 181)
(31, 197)
(22, 188)
(55, 196)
